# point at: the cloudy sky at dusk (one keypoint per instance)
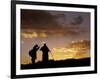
(67, 34)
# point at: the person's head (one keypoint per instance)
(44, 44)
(35, 46)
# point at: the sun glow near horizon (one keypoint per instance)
(62, 53)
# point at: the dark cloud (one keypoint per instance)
(54, 22)
(77, 20)
(38, 19)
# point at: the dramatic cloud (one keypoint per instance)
(80, 48)
(77, 20)
(80, 45)
(38, 19)
(52, 22)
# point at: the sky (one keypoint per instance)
(66, 33)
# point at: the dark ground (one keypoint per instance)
(57, 64)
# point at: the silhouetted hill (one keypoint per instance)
(56, 64)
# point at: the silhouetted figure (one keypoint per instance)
(32, 53)
(45, 51)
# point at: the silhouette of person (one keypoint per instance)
(32, 53)
(45, 51)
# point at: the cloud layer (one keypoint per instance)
(53, 22)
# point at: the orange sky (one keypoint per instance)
(74, 50)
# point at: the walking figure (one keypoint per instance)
(32, 53)
(45, 51)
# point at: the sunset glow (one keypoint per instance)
(67, 34)
(65, 53)
(33, 35)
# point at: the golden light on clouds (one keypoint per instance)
(79, 45)
(59, 50)
(43, 35)
(29, 35)
(62, 53)
(74, 50)
(33, 34)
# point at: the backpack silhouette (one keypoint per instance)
(31, 53)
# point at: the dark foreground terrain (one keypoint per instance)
(56, 64)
